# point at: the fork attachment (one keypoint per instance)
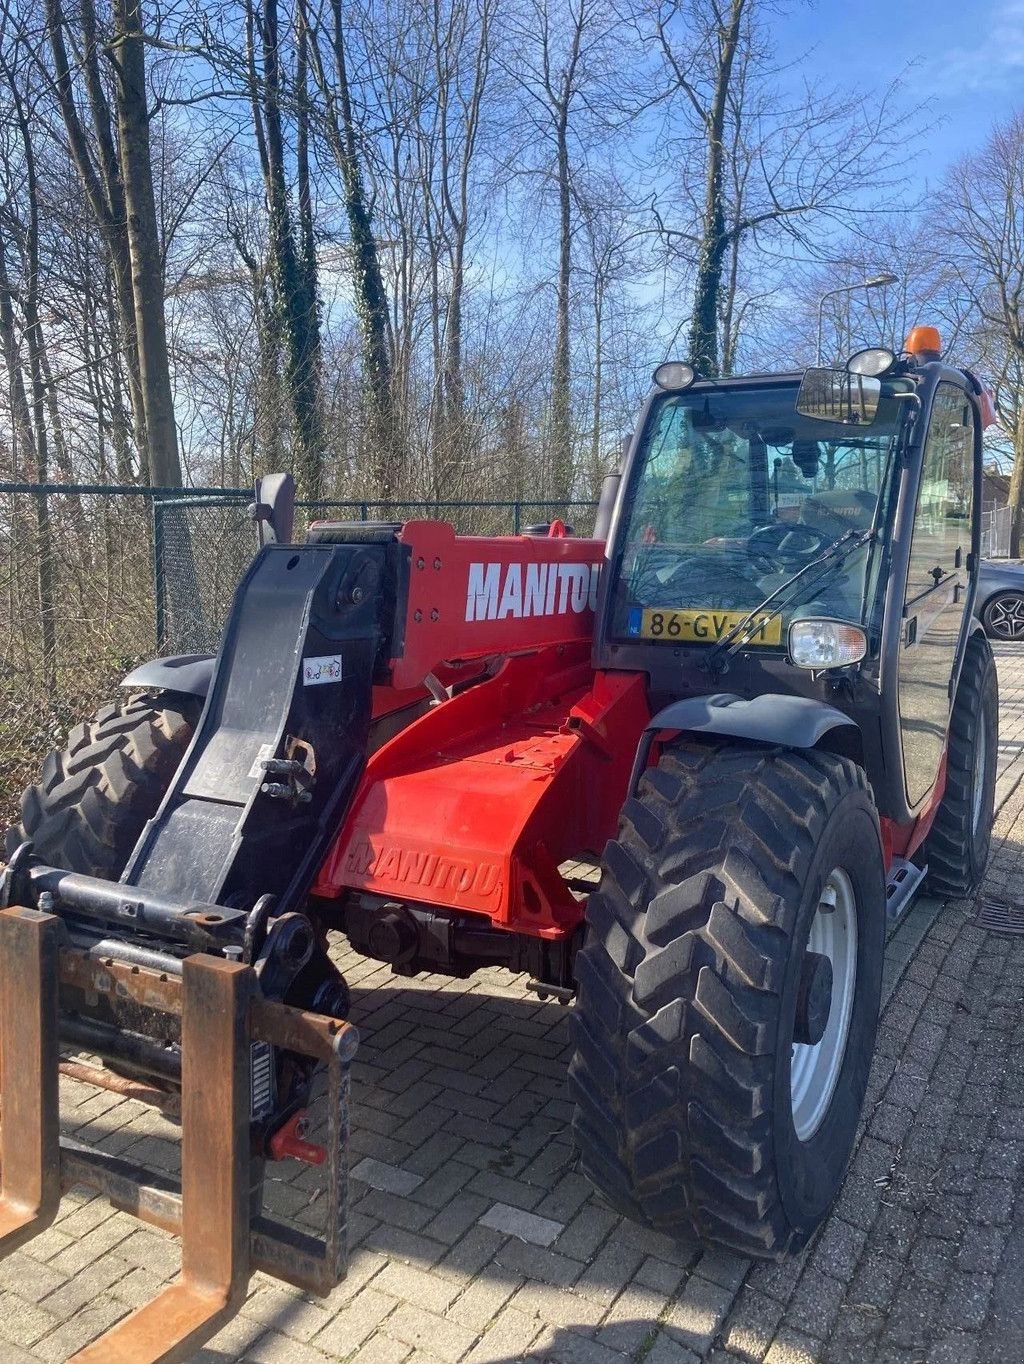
(224, 1239)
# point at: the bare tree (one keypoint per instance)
(562, 60)
(324, 21)
(293, 256)
(982, 217)
(777, 170)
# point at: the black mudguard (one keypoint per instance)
(187, 674)
(789, 721)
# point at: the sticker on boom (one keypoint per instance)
(707, 626)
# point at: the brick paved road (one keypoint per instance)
(475, 1239)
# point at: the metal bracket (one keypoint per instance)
(222, 1015)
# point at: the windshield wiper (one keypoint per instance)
(782, 597)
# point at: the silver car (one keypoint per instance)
(1000, 603)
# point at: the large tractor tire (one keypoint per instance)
(957, 847)
(739, 918)
(89, 808)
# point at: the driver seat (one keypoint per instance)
(834, 513)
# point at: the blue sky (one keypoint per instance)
(966, 57)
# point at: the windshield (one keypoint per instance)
(734, 493)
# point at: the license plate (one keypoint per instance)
(705, 626)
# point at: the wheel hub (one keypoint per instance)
(825, 994)
(814, 999)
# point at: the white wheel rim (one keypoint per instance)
(979, 774)
(814, 1070)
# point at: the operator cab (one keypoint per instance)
(806, 534)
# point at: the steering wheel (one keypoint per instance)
(789, 543)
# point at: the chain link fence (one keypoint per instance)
(95, 579)
(995, 533)
(203, 543)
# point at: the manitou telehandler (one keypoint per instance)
(757, 698)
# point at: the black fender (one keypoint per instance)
(786, 721)
(189, 674)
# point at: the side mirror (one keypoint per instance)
(835, 395)
(274, 509)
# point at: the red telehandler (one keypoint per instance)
(758, 699)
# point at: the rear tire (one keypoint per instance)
(957, 847)
(94, 797)
(689, 980)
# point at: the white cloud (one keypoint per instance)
(991, 58)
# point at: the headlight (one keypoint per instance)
(673, 375)
(873, 362)
(826, 643)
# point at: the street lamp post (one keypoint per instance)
(875, 282)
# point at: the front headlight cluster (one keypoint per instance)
(826, 643)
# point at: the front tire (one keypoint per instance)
(957, 847)
(94, 797)
(696, 1109)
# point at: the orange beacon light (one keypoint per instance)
(924, 343)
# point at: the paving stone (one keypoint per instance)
(557, 1306)
(442, 1339)
(482, 1300)
(661, 1275)
(790, 1347)
(509, 1337)
(389, 1178)
(557, 1345)
(815, 1304)
(350, 1326)
(633, 1319)
(665, 1350)
(584, 1235)
(966, 1301)
(839, 1248)
(381, 1349)
(698, 1313)
(955, 1348)
(527, 1226)
(613, 1266)
(751, 1324)
(982, 1248)
(275, 1348)
(533, 1262)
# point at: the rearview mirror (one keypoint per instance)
(835, 395)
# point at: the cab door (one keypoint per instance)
(936, 594)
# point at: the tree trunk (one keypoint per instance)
(561, 377)
(596, 470)
(128, 58)
(294, 267)
(387, 452)
(31, 444)
(714, 238)
(103, 189)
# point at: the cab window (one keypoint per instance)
(942, 522)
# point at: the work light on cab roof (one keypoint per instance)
(674, 376)
(873, 362)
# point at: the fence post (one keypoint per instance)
(516, 517)
(159, 581)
